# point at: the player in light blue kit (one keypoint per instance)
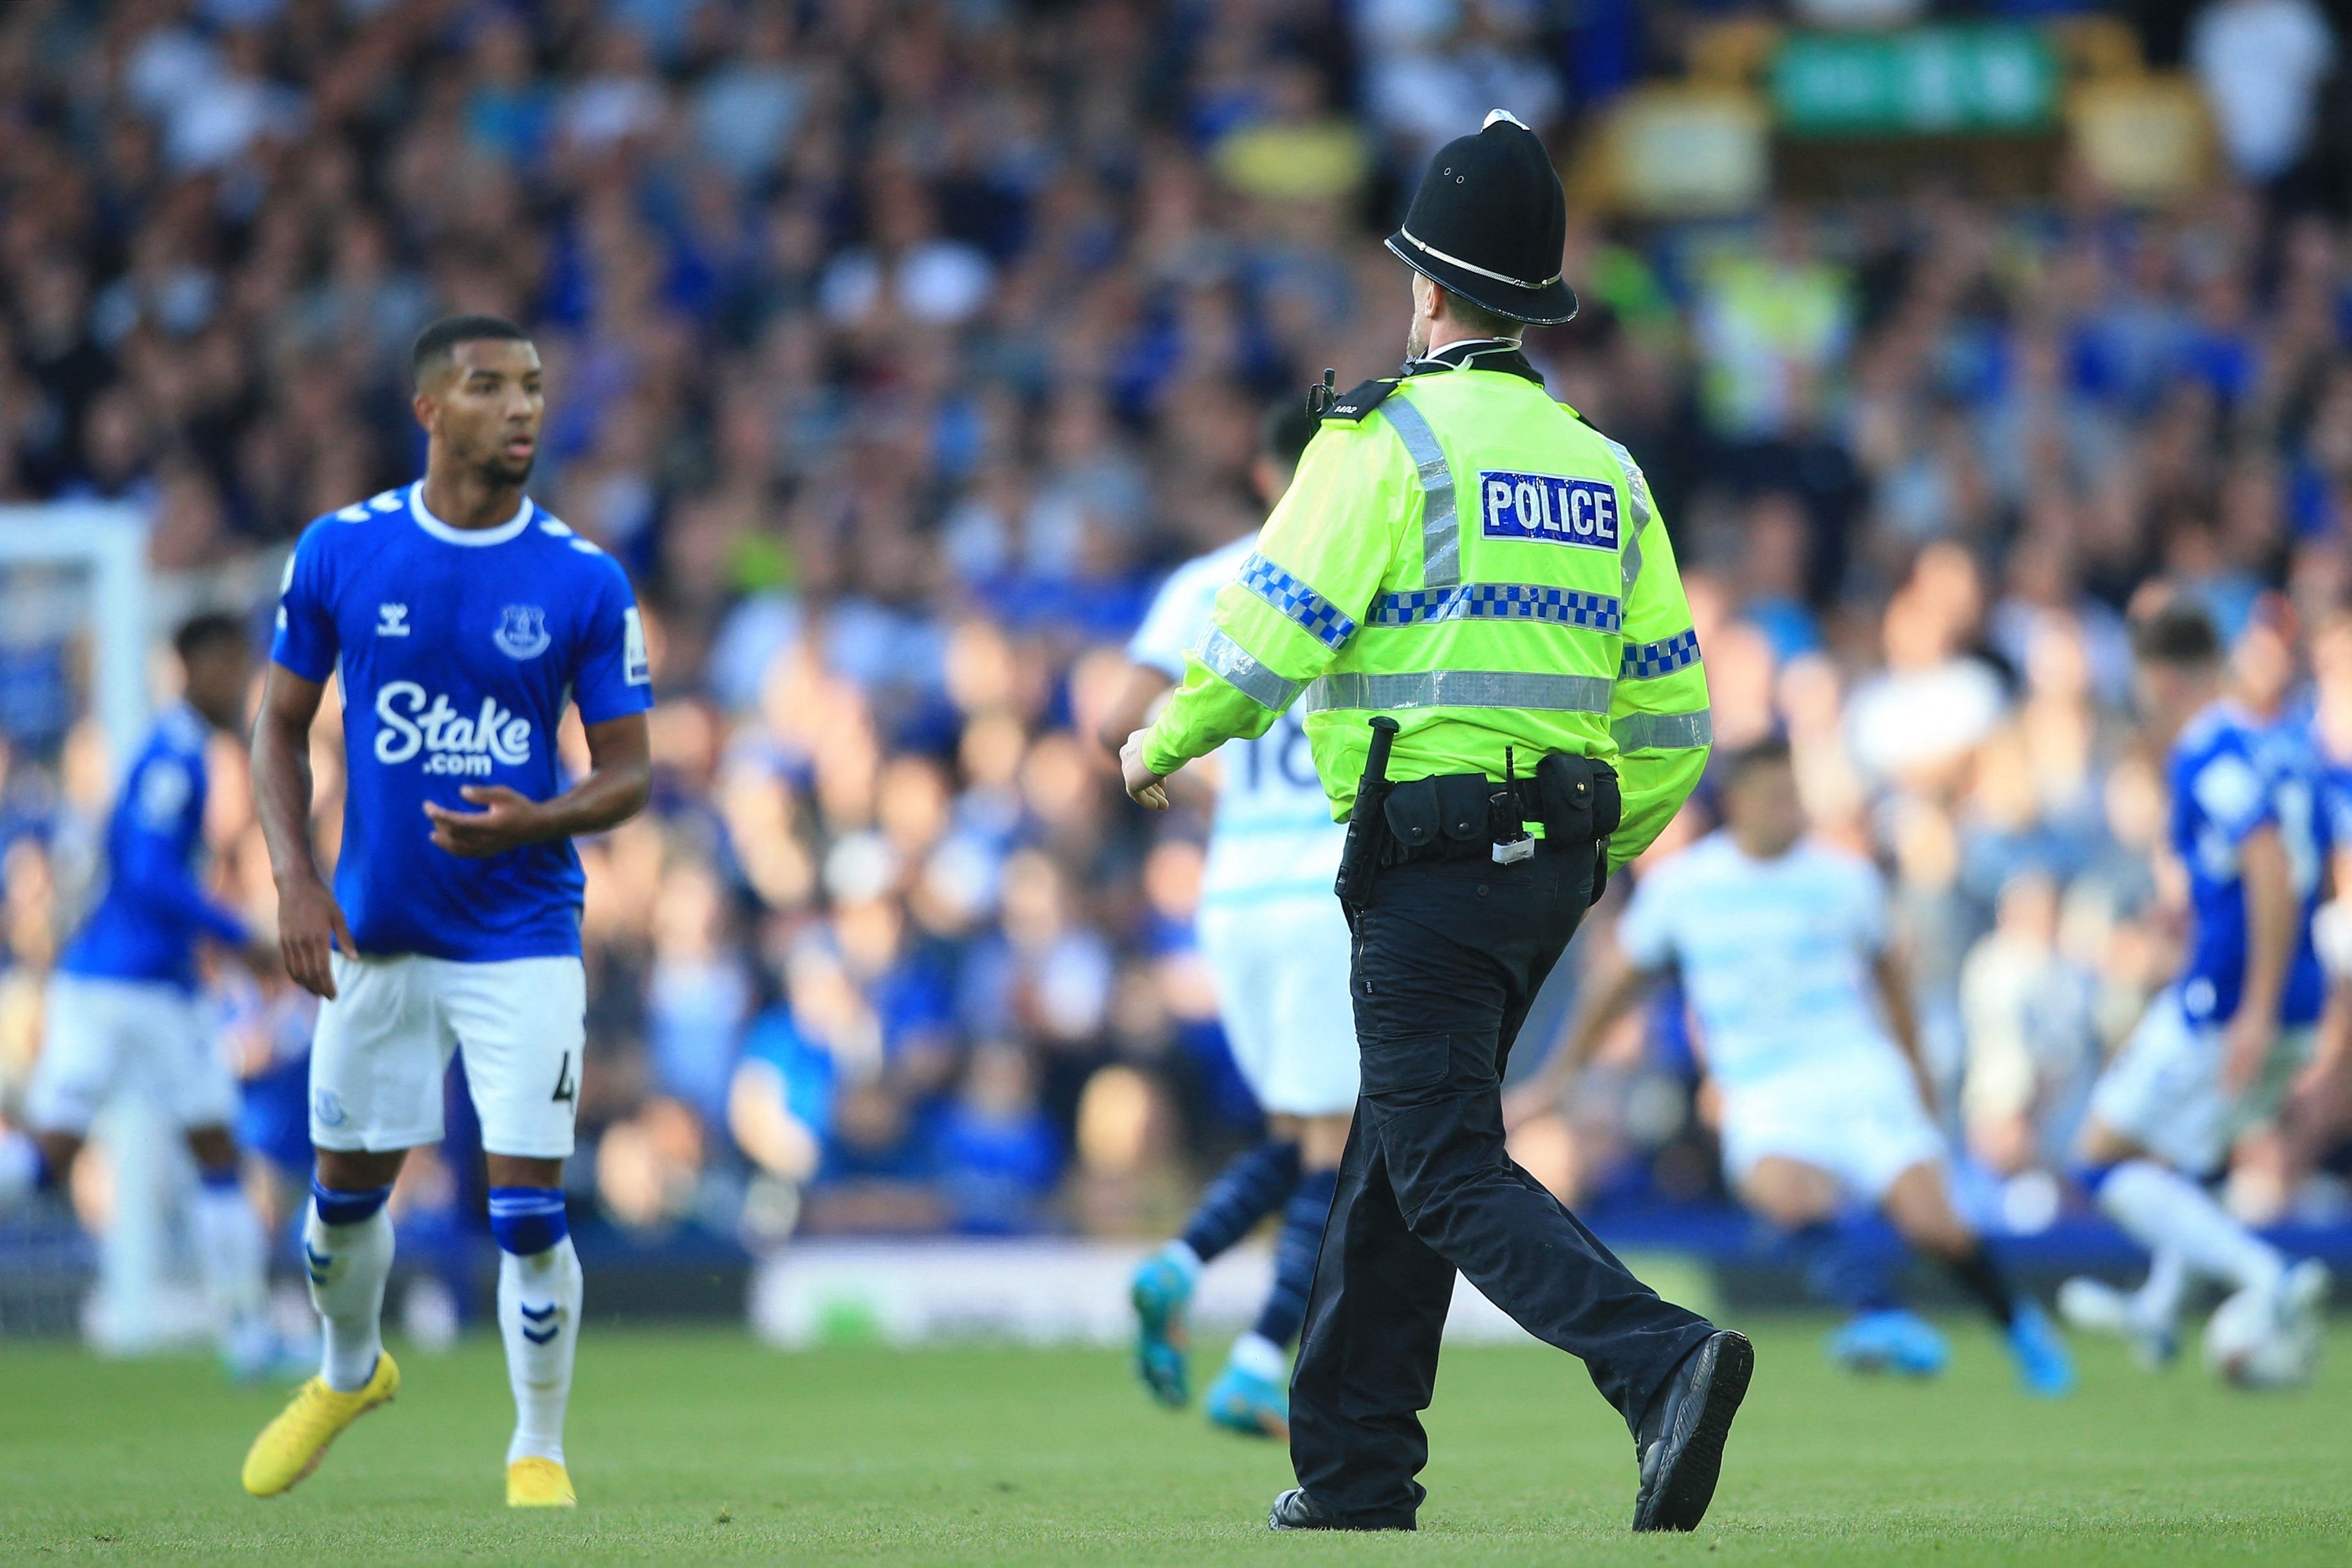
(1785, 948)
(2218, 1050)
(124, 1010)
(459, 621)
(1277, 944)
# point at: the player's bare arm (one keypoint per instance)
(1122, 733)
(620, 776)
(1892, 977)
(2270, 912)
(1624, 987)
(1140, 690)
(309, 922)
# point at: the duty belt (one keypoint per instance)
(1468, 816)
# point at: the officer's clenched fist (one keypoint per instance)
(1143, 785)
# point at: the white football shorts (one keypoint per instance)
(1281, 968)
(384, 1041)
(1863, 1122)
(145, 1037)
(2163, 1090)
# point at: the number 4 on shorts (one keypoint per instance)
(566, 1087)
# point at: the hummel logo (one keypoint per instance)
(317, 1263)
(545, 1315)
(392, 619)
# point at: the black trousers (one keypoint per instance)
(1448, 957)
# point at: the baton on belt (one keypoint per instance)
(1367, 822)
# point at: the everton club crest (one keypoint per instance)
(523, 632)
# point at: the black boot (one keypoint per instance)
(1680, 1444)
(1294, 1509)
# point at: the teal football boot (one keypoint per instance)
(1161, 1291)
(1243, 1402)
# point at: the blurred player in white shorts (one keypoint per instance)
(459, 623)
(125, 1013)
(1784, 950)
(2217, 1050)
(1278, 943)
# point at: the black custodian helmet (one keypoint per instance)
(1490, 223)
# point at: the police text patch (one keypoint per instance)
(1548, 508)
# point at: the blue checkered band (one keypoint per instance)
(1298, 601)
(1648, 660)
(1500, 601)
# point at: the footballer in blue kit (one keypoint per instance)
(458, 622)
(125, 1009)
(2217, 1050)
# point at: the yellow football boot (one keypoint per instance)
(534, 1482)
(290, 1448)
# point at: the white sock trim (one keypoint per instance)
(1259, 1356)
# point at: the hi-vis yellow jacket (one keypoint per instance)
(1472, 559)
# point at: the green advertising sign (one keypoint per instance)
(1925, 81)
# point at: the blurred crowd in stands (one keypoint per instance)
(900, 347)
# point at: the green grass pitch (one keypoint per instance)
(700, 1446)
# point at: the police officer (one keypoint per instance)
(1464, 564)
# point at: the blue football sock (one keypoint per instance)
(1845, 1264)
(1249, 1189)
(1294, 1256)
(1980, 1276)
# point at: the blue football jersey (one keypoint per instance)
(2230, 774)
(457, 652)
(146, 923)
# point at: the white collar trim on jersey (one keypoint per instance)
(476, 537)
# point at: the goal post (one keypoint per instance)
(108, 540)
(78, 570)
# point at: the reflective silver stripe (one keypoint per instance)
(1472, 266)
(1441, 524)
(1662, 731)
(1461, 688)
(1637, 486)
(1241, 668)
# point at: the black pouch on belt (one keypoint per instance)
(1445, 816)
(1581, 803)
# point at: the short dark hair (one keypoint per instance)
(209, 630)
(2177, 632)
(1480, 321)
(1772, 751)
(1283, 432)
(440, 340)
